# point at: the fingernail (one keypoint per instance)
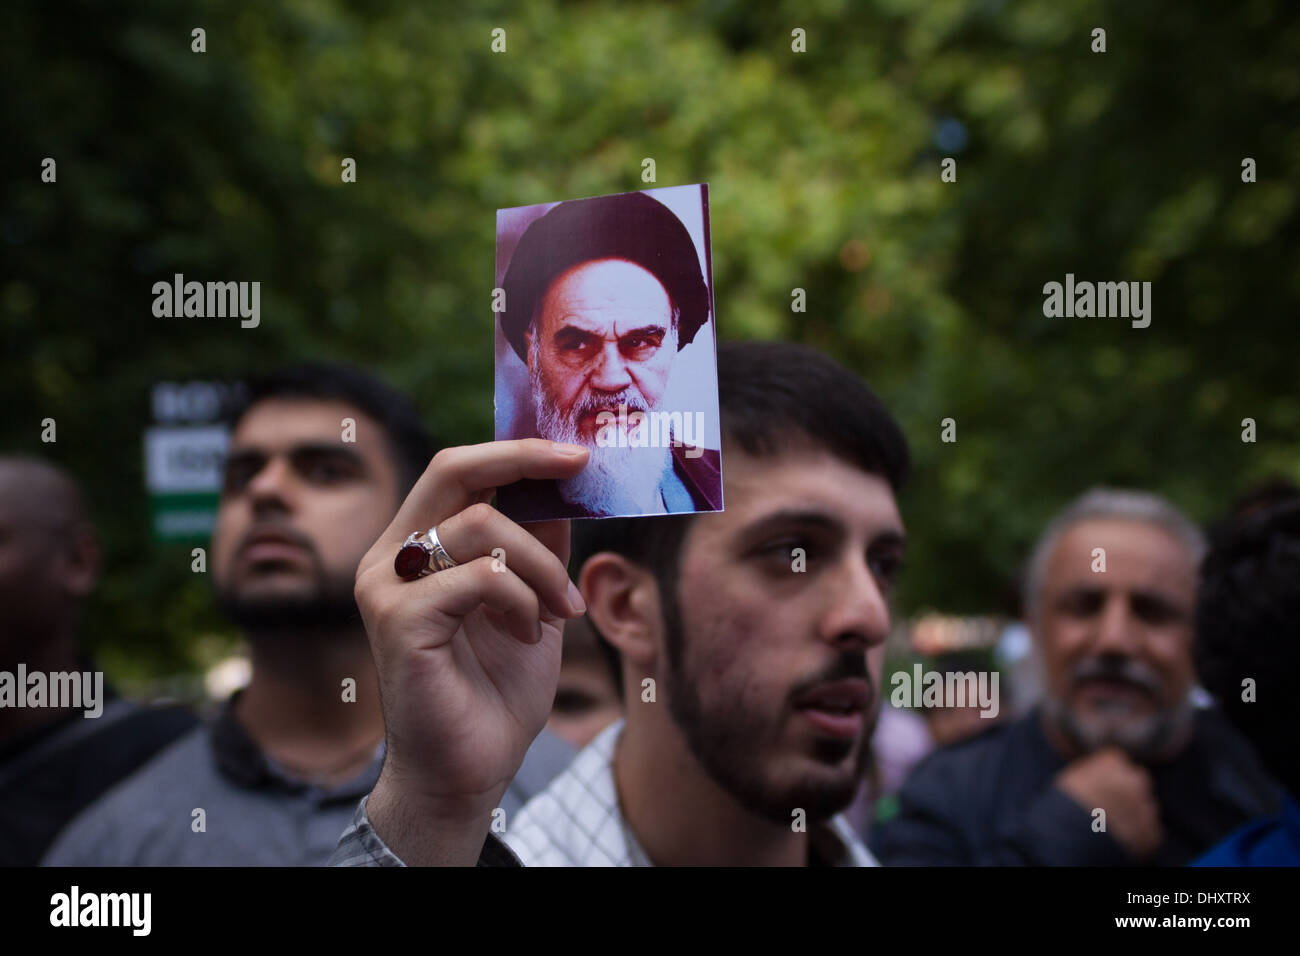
(575, 599)
(562, 448)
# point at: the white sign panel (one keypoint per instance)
(184, 459)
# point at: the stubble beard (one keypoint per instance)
(328, 606)
(729, 743)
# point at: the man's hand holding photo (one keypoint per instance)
(469, 655)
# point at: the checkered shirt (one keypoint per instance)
(576, 820)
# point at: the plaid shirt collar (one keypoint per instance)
(576, 820)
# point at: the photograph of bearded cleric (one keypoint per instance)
(605, 338)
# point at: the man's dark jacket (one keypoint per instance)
(538, 500)
(990, 801)
(55, 771)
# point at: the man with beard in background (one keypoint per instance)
(601, 294)
(320, 457)
(1117, 766)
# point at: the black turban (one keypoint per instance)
(629, 226)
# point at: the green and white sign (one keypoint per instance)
(183, 462)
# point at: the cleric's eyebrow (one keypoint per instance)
(574, 334)
(646, 330)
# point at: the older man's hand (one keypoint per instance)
(468, 657)
(1108, 779)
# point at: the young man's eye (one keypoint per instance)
(786, 545)
(887, 569)
(788, 554)
(326, 471)
(573, 702)
(237, 475)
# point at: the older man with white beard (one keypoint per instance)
(1117, 766)
(601, 295)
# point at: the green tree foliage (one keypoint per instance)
(824, 171)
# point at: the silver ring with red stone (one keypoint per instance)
(422, 553)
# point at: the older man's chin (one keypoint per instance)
(618, 480)
(1143, 737)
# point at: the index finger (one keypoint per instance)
(460, 477)
(553, 534)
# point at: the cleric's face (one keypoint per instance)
(604, 335)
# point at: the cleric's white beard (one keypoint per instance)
(616, 480)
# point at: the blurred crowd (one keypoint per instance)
(715, 704)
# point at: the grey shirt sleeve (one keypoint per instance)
(360, 845)
(548, 754)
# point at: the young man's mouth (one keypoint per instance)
(836, 708)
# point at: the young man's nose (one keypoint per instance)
(272, 486)
(858, 611)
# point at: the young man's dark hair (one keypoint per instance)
(772, 397)
(410, 443)
(1248, 623)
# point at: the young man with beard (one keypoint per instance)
(319, 459)
(1110, 597)
(749, 643)
(601, 295)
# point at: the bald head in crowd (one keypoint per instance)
(73, 737)
(49, 563)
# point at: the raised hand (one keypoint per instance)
(468, 657)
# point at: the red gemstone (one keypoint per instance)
(411, 561)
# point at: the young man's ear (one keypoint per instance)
(623, 603)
